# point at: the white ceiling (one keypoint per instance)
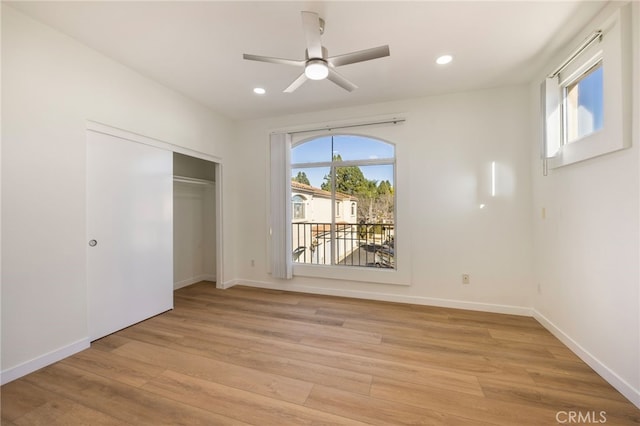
(196, 47)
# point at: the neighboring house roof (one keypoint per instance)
(312, 190)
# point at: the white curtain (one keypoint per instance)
(280, 211)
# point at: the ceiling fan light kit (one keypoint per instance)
(316, 69)
(317, 65)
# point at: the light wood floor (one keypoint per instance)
(259, 357)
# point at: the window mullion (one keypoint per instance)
(333, 209)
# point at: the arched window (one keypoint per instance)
(298, 202)
(341, 171)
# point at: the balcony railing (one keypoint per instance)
(358, 244)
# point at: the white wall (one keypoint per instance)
(444, 155)
(51, 85)
(193, 234)
(587, 250)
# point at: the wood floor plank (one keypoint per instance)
(566, 400)
(238, 404)
(63, 412)
(247, 356)
(20, 397)
(250, 379)
(376, 411)
(311, 372)
(109, 343)
(473, 364)
(115, 367)
(232, 345)
(130, 405)
(471, 407)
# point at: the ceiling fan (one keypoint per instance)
(317, 65)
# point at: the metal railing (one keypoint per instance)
(357, 244)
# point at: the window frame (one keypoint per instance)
(585, 71)
(400, 275)
(295, 202)
(613, 51)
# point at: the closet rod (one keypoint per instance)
(184, 179)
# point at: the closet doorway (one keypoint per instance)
(194, 220)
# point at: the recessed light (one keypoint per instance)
(259, 91)
(444, 59)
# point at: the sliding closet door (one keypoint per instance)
(129, 232)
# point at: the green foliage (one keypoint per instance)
(301, 177)
(384, 188)
(375, 200)
(350, 180)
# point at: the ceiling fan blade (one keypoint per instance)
(311, 28)
(359, 56)
(296, 83)
(341, 81)
(273, 60)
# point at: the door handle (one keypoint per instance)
(93, 243)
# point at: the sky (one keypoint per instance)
(590, 99)
(349, 147)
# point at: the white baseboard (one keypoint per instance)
(387, 297)
(616, 381)
(193, 280)
(228, 284)
(49, 358)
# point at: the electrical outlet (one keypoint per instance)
(466, 279)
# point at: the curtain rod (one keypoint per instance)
(596, 35)
(347, 126)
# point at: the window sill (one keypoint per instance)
(352, 273)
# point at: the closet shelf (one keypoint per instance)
(195, 181)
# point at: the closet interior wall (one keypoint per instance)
(194, 248)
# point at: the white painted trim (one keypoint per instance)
(228, 284)
(134, 137)
(193, 280)
(387, 297)
(49, 358)
(219, 224)
(610, 376)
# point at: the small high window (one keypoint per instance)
(586, 98)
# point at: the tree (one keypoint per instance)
(301, 177)
(349, 180)
(384, 200)
(375, 200)
(384, 188)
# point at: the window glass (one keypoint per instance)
(584, 101)
(348, 147)
(313, 151)
(360, 228)
(298, 207)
